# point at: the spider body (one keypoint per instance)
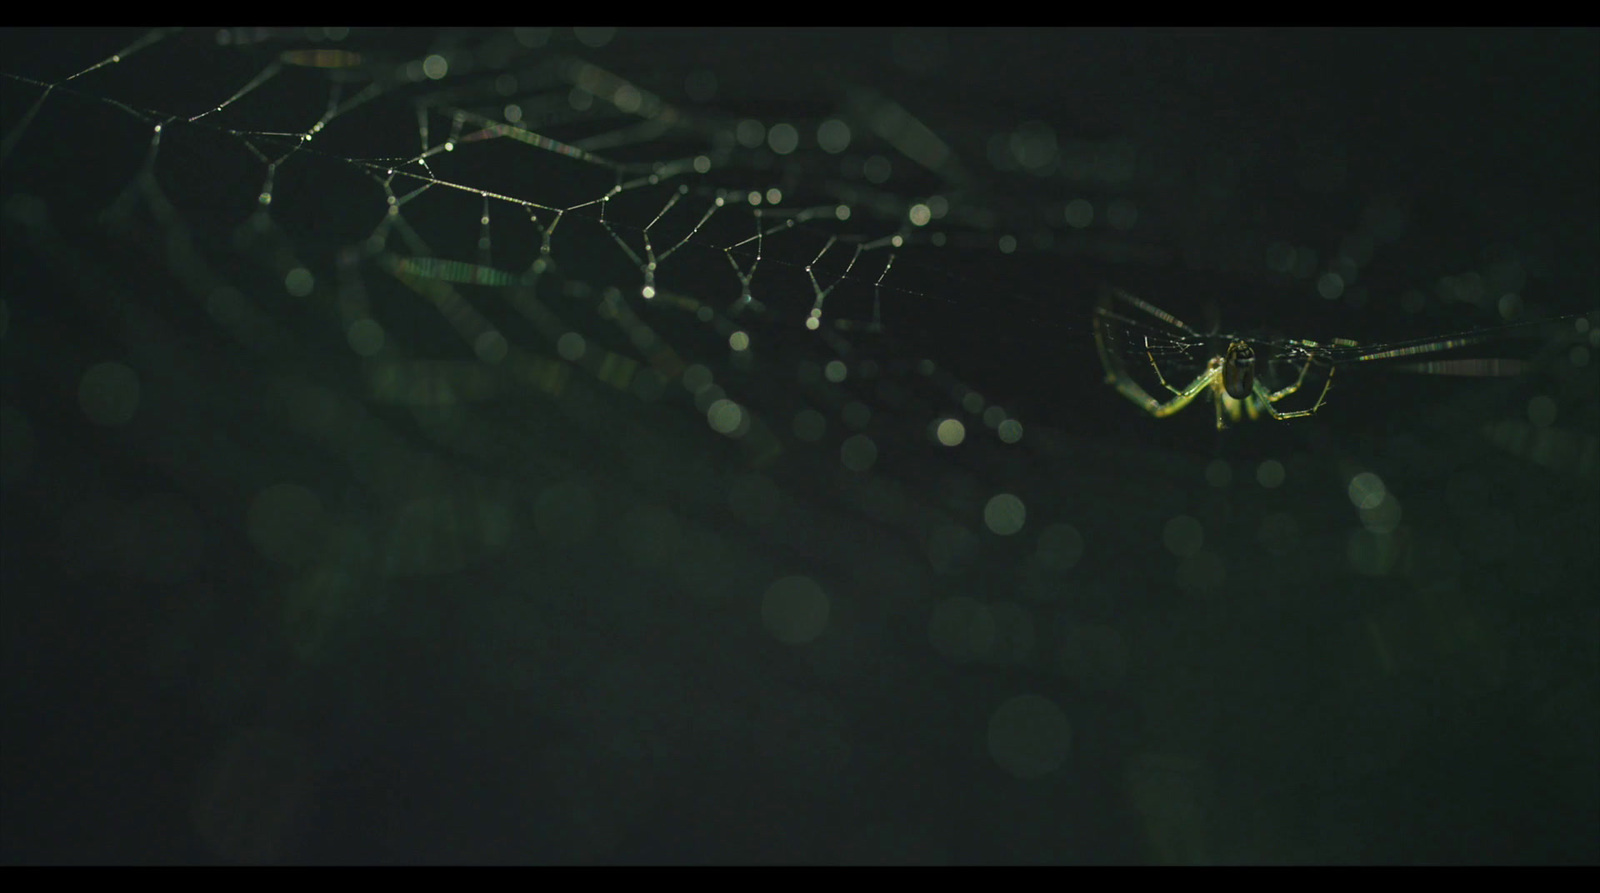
(1232, 367)
(1229, 377)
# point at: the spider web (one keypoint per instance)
(626, 403)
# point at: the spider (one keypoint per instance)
(1232, 374)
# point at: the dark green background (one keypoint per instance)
(547, 702)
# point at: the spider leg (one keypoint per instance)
(1267, 397)
(1184, 397)
(1116, 376)
(1131, 389)
(1290, 389)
